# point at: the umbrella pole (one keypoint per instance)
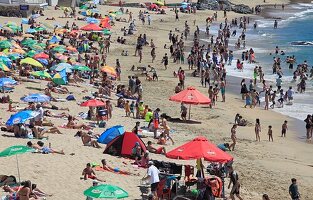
(189, 110)
(18, 170)
(202, 170)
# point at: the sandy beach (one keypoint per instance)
(263, 167)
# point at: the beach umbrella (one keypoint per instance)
(61, 57)
(31, 53)
(62, 66)
(31, 30)
(159, 3)
(28, 35)
(31, 61)
(4, 67)
(41, 55)
(93, 103)
(36, 98)
(59, 49)
(106, 191)
(92, 20)
(191, 96)
(55, 39)
(28, 42)
(59, 79)
(8, 29)
(15, 150)
(42, 74)
(109, 70)
(36, 47)
(71, 49)
(15, 56)
(198, 148)
(43, 61)
(21, 117)
(40, 28)
(21, 51)
(7, 81)
(91, 27)
(107, 32)
(4, 44)
(81, 68)
(11, 24)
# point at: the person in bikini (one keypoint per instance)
(151, 149)
(88, 139)
(71, 124)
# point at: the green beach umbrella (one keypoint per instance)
(106, 192)
(29, 41)
(81, 68)
(40, 28)
(107, 32)
(41, 74)
(31, 53)
(4, 44)
(59, 49)
(15, 150)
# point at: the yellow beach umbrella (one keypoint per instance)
(4, 67)
(109, 70)
(31, 61)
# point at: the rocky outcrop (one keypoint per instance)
(241, 8)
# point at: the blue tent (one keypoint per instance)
(111, 133)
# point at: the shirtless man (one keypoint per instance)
(87, 139)
(89, 173)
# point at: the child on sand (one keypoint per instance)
(89, 173)
(270, 133)
(132, 109)
(127, 108)
(284, 129)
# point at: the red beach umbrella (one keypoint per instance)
(91, 27)
(198, 148)
(190, 96)
(41, 55)
(105, 24)
(92, 103)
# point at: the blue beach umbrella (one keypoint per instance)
(35, 16)
(21, 117)
(36, 98)
(31, 30)
(6, 81)
(62, 66)
(54, 39)
(43, 61)
(92, 20)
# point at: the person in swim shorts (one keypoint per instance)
(151, 149)
(89, 173)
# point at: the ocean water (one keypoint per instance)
(295, 27)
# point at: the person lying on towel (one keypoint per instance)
(105, 167)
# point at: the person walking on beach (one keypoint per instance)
(257, 130)
(275, 24)
(308, 126)
(270, 134)
(293, 190)
(234, 179)
(153, 177)
(284, 129)
(233, 137)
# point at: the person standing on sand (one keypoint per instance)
(270, 134)
(234, 179)
(284, 129)
(233, 137)
(153, 176)
(165, 61)
(257, 130)
(293, 190)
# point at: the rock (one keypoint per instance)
(241, 8)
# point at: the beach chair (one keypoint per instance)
(190, 178)
(162, 192)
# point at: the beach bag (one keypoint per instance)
(70, 98)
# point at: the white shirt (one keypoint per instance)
(153, 172)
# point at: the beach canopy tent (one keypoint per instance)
(198, 148)
(191, 96)
(123, 145)
(91, 27)
(110, 134)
